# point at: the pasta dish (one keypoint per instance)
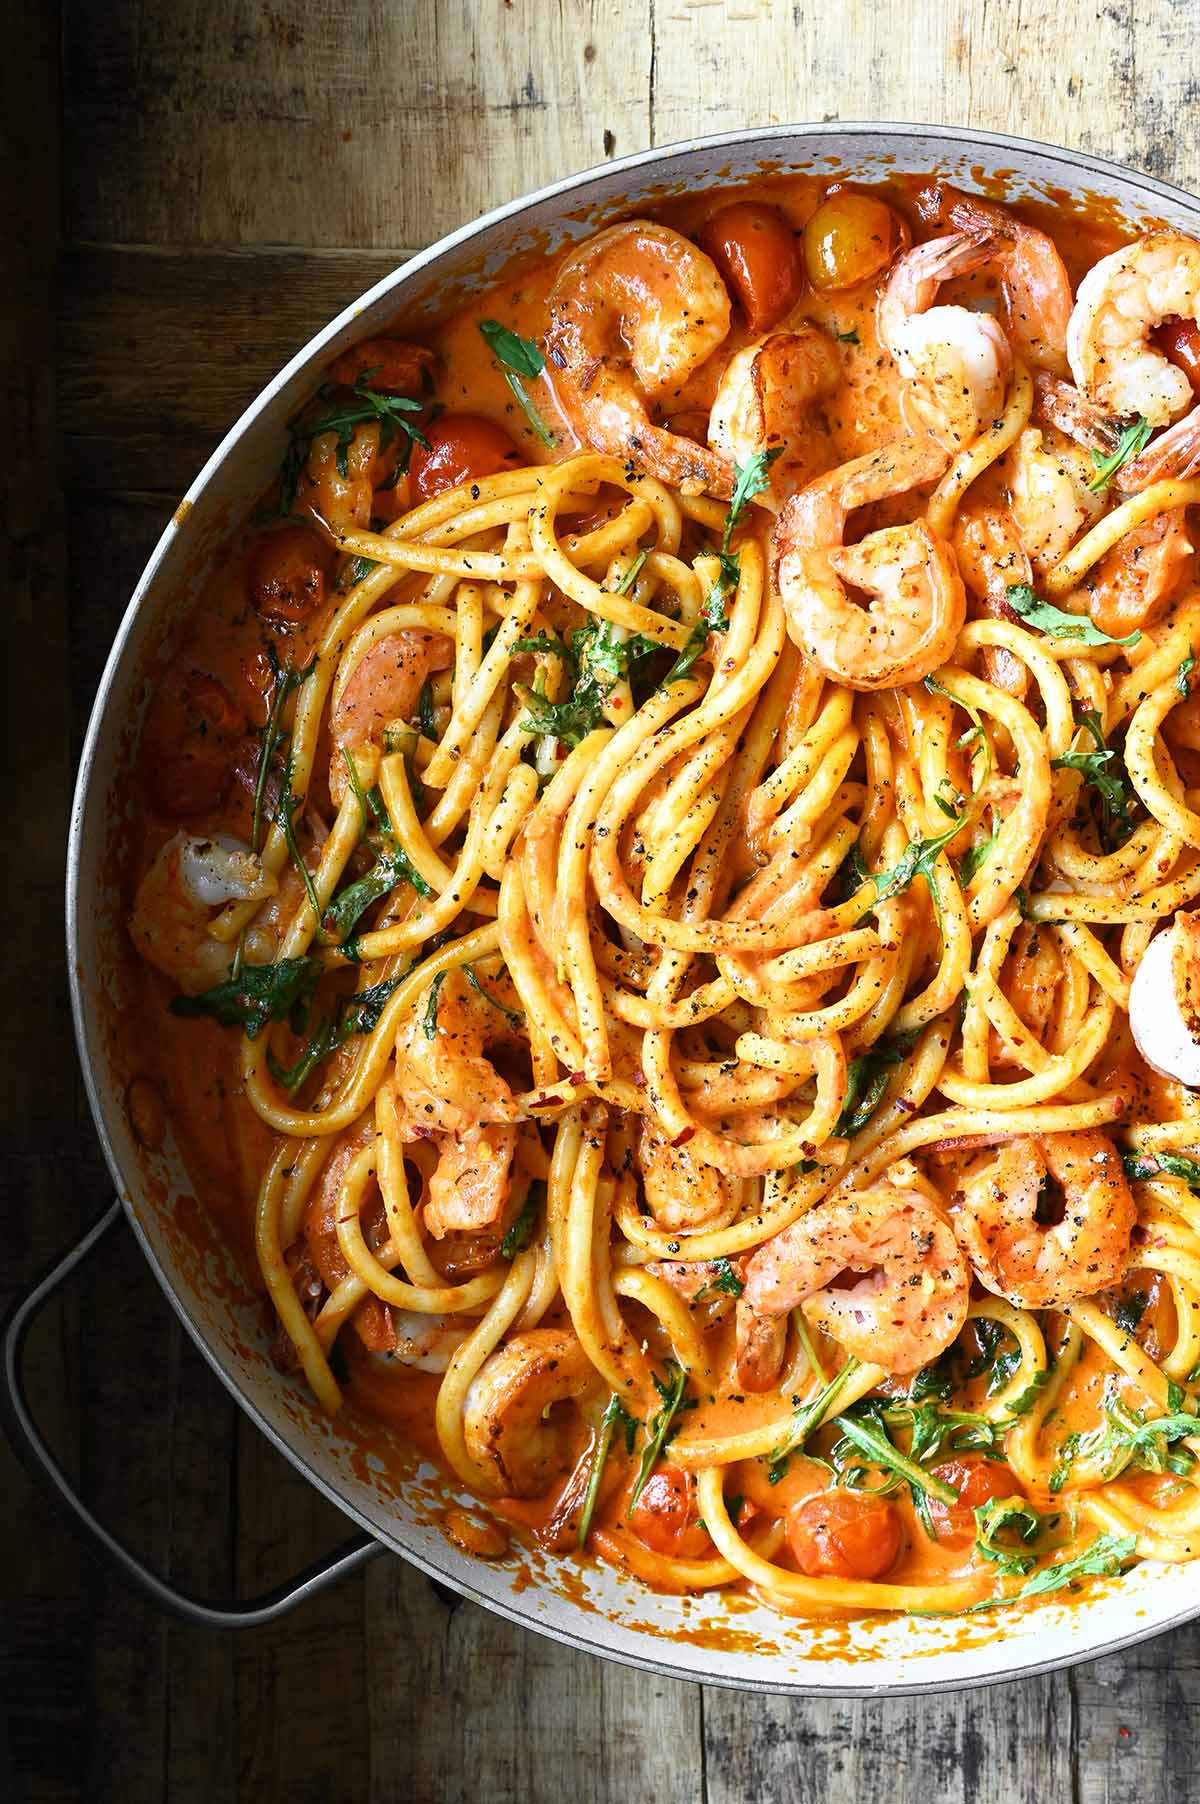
(664, 897)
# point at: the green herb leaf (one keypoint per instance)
(1101, 773)
(392, 413)
(867, 1078)
(1125, 1438)
(289, 807)
(978, 853)
(917, 860)
(518, 357)
(864, 1429)
(393, 866)
(1004, 1529)
(750, 479)
(808, 1418)
(1183, 674)
(598, 658)
(631, 575)
(1172, 1165)
(260, 993)
(429, 1018)
(1132, 440)
(1129, 1311)
(726, 1280)
(512, 1015)
(520, 1230)
(1106, 1555)
(1059, 625)
(615, 1414)
(659, 1428)
(848, 338)
(358, 1014)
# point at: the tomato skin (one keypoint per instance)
(756, 252)
(849, 239)
(191, 736)
(976, 1481)
(462, 447)
(288, 574)
(1179, 341)
(844, 1534)
(665, 1516)
(395, 366)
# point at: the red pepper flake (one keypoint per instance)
(543, 1102)
(422, 1132)
(577, 1077)
(909, 1108)
(1123, 1732)
(682, 1138)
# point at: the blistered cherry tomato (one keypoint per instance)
(844, 1534)
(756, 252)
(666, 1517)
(462, 447)
(392, 365)
(288, 574)
(191, 736)
(976, 1481)
(1179, 341)
(849, 239)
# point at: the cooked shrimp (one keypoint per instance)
(907, 1308)
(760, 1342)
(1043, 1267)
(766, 402)
(373, 1320)
(681, 1192)
(383, 691)
(955, 361)
(991, 558)
(1037, 289)
(1175, 454)
(1060, 404)
(1134, 580)
(471, 1182)
(1120, 302)
(918, 602)
(426, 1343)
(507, 1422)
(633, 313)
(178, 897)
(1164, 1001)
(1049, 494)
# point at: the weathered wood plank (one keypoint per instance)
(1136, 1715)
(464, 1706)
(338, 124)
(1010, 1745)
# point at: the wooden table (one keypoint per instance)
(194, 189)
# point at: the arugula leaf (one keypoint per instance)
(1116, 794)
(1173, 1165)
(659, 1428)
(978, 853)
(358, 1014)
(1183, 673)
(916, 860)
(512, 1015)
(520, 1229)
(393, 866)
(1132, 440)
(750, 479)
(392, 413)
(848, 338)
(1125, 1439)
(1059, 625)
(807, 1419)
(289, 807)
(1128, 1312)
(518, 357)
(598, 658)
(615, 1415)
(286, 682)
(1106, 1555)
(863, 1428)
(354, 572)
(981, 749)
(1009, 1516)
(631, 575)
(429, 1018)
(867, 1078)
(260, 993)
(726, 1280)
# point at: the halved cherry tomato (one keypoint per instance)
(976, 1481)
(755, 250)
(191, 737)
(844, 1534)
(462, 447)
(666, 1517)
(393, 365)
(1179, 341)
(288, 574)
(849, 239)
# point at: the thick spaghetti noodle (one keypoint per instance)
(680, 891)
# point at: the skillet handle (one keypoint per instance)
(218, 1613)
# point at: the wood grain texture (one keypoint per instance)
(235, 173)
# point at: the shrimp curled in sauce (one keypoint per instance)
(1120, 302)
(382, 690)
(1043, 1267)
(910, 1304)
(509, 1430)
(955, 361)
(178, 897)
(918, 601)
(633, 313)
(765, 402)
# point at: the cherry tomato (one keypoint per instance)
(849, 239)
(462, 446)
(288, 573)
(755, 250)
(392, 365)
(1179, 341)
(844, 1534)
(976, 1481)
(191, 737)
(665, 1516)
